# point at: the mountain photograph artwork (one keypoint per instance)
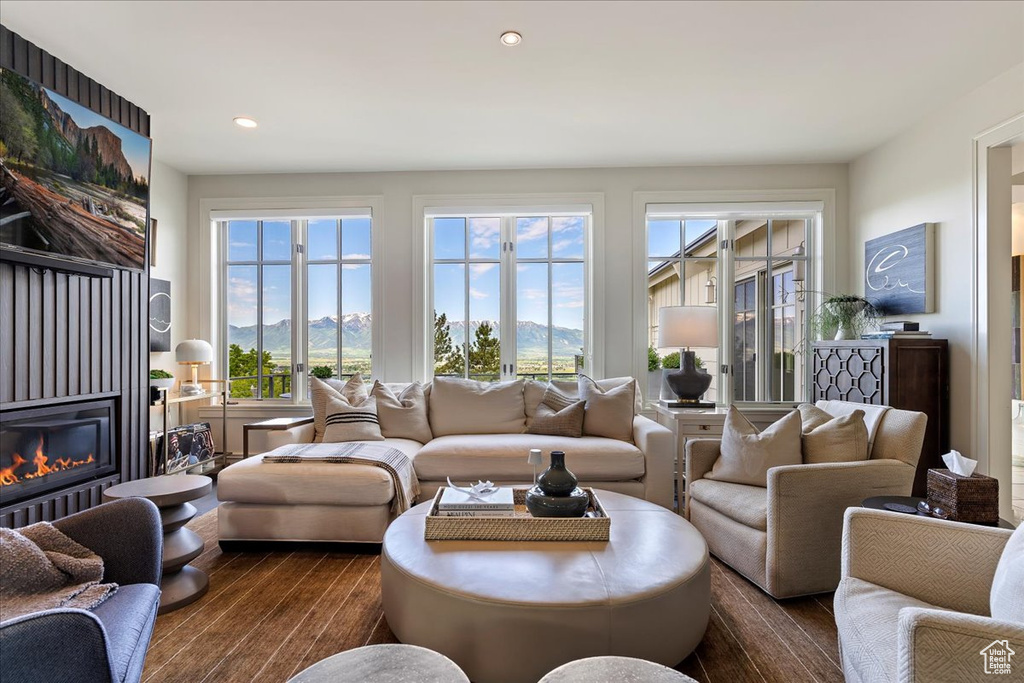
(72, 182)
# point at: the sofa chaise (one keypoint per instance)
(474, 437)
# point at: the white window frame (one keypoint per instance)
(209, 317)
(817, 205)
(427, 207)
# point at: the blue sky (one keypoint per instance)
(482, 237)
(135, 146)
(663, 237)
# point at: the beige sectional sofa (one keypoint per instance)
(352, 503)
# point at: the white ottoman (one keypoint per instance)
(614, 670)
(509, 612)
(383, 664)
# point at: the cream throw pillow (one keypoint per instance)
(567, 421)
(609, 413)
(321, 390)
(347, 422)
(403, 416)
(748, 455)
(833, 439)
(465, 406)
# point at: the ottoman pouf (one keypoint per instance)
(383, 664)
(615, 670)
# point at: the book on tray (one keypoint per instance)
(455, 503)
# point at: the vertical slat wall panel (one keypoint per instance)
(65, 334)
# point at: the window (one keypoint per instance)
(761, 259)
(509, 294)
(278, 271)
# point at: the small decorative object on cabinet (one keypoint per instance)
(910, 374)
(556, 493)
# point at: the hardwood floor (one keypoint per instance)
(269, 615)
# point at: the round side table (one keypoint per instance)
(879, 502)
(180, 584)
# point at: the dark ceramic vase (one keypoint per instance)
(556, 480)
(688, 383)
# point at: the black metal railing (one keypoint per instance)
(270, 384)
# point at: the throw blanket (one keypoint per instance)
(41, 568)
(393, 461)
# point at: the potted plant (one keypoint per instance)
(845, 316)
(161, 379)
(322, 371)
(653, 373)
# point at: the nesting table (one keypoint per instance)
(511, 611)
(181, 584)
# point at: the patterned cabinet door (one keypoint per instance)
(849, 373)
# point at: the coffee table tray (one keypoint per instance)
(522, 527)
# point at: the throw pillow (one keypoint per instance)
(321, 390)
(609, 413)
(567, 421)
(346, 422)
(1006, 601)
(833, 439)
(748, 455)
(465, 406)
(403, 416)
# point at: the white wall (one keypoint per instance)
(400, 229)
(925, 175)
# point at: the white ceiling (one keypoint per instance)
(362, 86)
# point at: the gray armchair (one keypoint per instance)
(107, 644)
(921, 599)
(786, 537)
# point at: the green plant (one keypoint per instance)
(844, 314)
(160, 374)
(322, 371)
(653, 361)
(671, 361)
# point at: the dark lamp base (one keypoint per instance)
(686, 404)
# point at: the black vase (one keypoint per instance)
(556, 480)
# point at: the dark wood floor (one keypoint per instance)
(269, 615)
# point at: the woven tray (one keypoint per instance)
(522, 527)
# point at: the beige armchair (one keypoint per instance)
(924, 600)
(786, 538)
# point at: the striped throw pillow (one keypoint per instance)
(346, 422)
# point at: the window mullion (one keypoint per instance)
(259, 309)
(507, 298)
(727, 310)
(300, 310)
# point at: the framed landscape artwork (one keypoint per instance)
(899, 272)
(159, 315)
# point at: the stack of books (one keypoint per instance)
(458, 504)
(898, 329)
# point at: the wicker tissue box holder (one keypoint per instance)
(972, 499)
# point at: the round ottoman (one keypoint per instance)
(383, 664)
(614, 670)
(509, 611)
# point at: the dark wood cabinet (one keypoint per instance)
(911, 374)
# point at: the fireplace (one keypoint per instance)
(52, 447)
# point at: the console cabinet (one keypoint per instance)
(911, 374)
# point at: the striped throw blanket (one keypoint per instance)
(397, 464)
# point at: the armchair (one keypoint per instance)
(922, 599)
(786, 538)
(107, 644)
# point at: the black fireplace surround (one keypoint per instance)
(46, 448)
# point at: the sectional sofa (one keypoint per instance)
(478, 432)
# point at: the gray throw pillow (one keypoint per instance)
(403, 416)
(609, 413)
(565, 422)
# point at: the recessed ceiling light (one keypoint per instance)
(511, 38)
(245, 122)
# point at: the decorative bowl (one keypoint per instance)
(542, 505)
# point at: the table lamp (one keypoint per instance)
(683, 327)
(193, 352)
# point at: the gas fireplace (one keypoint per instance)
(51, 447)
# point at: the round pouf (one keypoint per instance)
(511, 611)
(615, 670)
(383, 664)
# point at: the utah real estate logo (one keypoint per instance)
(997, 657)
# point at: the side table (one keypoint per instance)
(273, 424)
(180, 584)
(878, 503)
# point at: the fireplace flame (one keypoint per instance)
(40, 460)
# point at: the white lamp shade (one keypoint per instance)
(682, 326)
(194, 352)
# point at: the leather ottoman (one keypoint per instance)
(512, 611)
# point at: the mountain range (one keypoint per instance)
(531, 337)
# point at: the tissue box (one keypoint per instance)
(972, 499)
